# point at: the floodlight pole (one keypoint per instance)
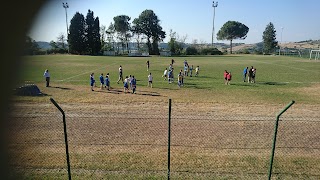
(280, 40)
(214, 5)
(65, 6)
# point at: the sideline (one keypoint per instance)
(83, 74)
(287, 66)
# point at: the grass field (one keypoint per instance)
(279, 79)
(123, 136)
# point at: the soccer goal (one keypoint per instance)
(316, 53)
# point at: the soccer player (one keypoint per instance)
(191, 69)
(107, 82)
(134, 84)
(180, 79)
(120, 74)
(148, 65)
(245, 72)
(92, 81)
(126, 85)
(165, 74)
(46, 74)
(229, 76)
(197, 70)
(150, 80)
(225, 74)
(101, 81)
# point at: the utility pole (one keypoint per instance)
(214, 5)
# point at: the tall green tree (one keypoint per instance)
(96, 37)
(269, 39)
(232, 30)
(89, 26)
(76, 36)
(176, 44)
(92, 34)
(122, 27)
(148, 24)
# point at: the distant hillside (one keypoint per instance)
(43, 45)
(309, 44)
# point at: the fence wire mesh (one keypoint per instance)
(134, 145)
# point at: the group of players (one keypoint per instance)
(130, 82)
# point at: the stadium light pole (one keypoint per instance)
(214, 5)
(280, 41)
(65, 6)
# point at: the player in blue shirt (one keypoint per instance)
(245, 72)
(92, 81)
(107, 82)
(134, 84)
(101, 81)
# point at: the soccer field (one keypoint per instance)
(218, 131)
(278, 79)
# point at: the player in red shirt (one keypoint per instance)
(225, 76)
(229, 78)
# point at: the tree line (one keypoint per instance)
(86, 37)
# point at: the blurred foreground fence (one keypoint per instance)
(134, 145)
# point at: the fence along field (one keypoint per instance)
(122, 136)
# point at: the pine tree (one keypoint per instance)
(269, 39)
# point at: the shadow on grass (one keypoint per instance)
(118, 91)
(58, 87)
(34, 95)
(272, 83)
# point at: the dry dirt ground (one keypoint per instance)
(129, 132)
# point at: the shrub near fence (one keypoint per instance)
(135, 145)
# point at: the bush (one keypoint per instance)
(191, 50)
(210, 51)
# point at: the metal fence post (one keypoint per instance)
(65, 135)
(169, 137)
(275, 136)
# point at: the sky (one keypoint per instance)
(293, 20)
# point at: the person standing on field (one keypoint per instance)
(107, 82)
(101, 81)
(250, 73)
(229, 76)
(148, 65)
(46, 74)
(191, 69)
(150, 80)
(134, 84)
(120, 74)
(165, 72)
(126, 85)
(245, 72)
(197, 70)
(225, 75)
(92, 81)
(180, 78)
(253, 78)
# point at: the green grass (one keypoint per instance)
(278, 79)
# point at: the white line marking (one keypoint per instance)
(287, 66)
(83, 73)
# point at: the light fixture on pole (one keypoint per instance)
(214, 5)
(65, 6)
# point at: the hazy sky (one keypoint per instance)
(293, 20)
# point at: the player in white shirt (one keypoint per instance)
(150, 80)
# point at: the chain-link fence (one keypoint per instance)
(135, 145)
